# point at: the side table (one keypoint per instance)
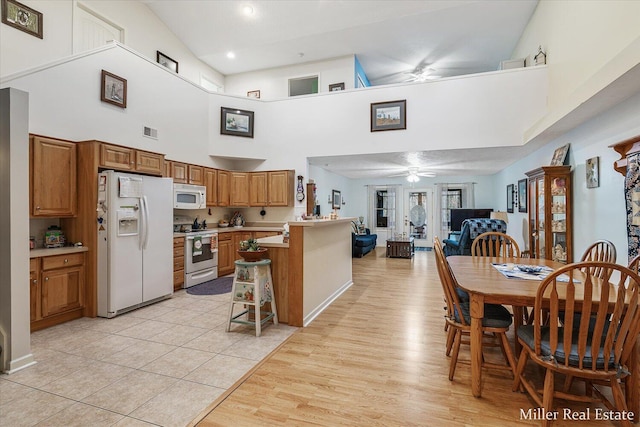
(400, 248)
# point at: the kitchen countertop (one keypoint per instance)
(272, 242)
(43, 252)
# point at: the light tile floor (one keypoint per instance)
(158, 365)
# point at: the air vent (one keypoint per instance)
(150, 132)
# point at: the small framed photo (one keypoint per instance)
(253, 94)
(510, 191)
(236, 122)
(22, 17)
(336, 199)
(390, 115)
(165, 61)
(592, 167)
(336, 87)
(559, 155)
(522, 195)
(114, 89)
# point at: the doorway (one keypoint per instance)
(92, 30)
(418, 218)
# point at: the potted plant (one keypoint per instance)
(251, 251)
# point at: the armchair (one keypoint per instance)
(362, 244)
(471, 228)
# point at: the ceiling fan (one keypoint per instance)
(413, 174)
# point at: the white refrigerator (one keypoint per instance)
(135, 241)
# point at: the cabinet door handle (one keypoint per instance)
(66, 260)
(34, 281)
(38, 207)
(46, 279)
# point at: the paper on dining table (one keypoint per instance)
(511, 271)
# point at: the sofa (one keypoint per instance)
(460, 243)
(362, 244)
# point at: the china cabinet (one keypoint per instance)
(550, 216)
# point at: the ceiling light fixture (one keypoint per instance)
(231, 55)
(412, 177)
(247, 10)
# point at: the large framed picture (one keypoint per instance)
(390, 115)
(335, 87)
(336, 199)
(236, 122)
(165, 61)
(22, 17)
(113, 89)
(522, 195)
(510, 191)
(559, 155)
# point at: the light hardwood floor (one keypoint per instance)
(375, 357)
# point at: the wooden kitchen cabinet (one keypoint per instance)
(179, 172)
(239, 189)
(130, 160)
(53, 177)
(211, 182)
(196, 174)
(258, 189)
(166, 169)
(280, 186)
(149, 163)
(57, 289)
(226, 254)
(34, 288)
(238, 237)
(178, 263)
(224, 182)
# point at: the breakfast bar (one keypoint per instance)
(312, 269)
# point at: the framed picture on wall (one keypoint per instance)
(336, 199)
(522, 195)
(336, 87)
(390, 115)
(236, 122)
(22, 17)
(113, 89)
(510, 191)
(593, 172)
(165, 61)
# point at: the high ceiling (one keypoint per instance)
(395, 42)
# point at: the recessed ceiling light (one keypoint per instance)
(231, 55)
(247, 10)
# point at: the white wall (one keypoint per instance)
(144, 32)
(579, 37)
(274, 83)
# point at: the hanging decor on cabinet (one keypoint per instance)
(560, 155)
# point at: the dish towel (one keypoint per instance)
(197, 246)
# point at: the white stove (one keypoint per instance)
(200, 253)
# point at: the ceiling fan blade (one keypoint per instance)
(426, 174)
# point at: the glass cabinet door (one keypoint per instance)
(559, 219)
(542, 249)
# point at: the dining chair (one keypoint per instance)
(600, 250)
(495, 323)
(494, 244)
(600, 354)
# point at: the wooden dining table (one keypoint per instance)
(485, 284)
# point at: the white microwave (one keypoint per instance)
(186, 196)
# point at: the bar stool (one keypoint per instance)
(252, 287)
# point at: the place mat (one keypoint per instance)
(511, 271)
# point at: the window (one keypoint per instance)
(385, 208)
(303, 86)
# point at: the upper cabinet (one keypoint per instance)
(53, 177)
(224, 185)
(239, 189)
(550, 219)
(211, 182)
(280, 188)
(258, 189)
(179, 172)
(196, 175)
(130, 160)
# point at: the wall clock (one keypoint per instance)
(300, 193)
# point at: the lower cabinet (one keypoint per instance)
(178, 263)
(57, 289)
(226, 254)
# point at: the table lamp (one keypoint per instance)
(499, 215)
